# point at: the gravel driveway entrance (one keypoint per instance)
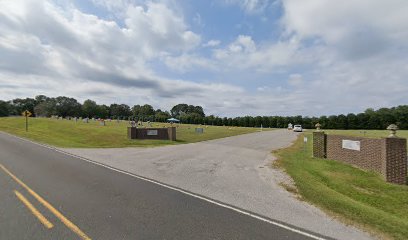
(233, 170)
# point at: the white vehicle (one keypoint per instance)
(297, 128)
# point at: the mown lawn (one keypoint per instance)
(368, 133)
(71, 134)
(355, 196)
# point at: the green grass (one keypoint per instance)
(368, 133)
(71, 134)
(355, 196)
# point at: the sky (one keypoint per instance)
(233, 57)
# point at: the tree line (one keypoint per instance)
(43, 106)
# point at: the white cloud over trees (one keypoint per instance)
(347, 54)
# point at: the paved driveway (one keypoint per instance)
(232, 170)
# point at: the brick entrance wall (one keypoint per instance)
(146, 133)
(387, 156)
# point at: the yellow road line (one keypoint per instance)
(36, 213)
(61, 217)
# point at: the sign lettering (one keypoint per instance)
(352, 145)
(152, 132)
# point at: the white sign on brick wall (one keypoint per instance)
(352, 145)
(151, 132)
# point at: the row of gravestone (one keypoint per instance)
(102, 122)
(85, 120)
(139, 123)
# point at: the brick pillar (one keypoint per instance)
(319, 144)
(172, 133)
(132, 132)
(395, 160)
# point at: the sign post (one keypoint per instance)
(26, 114)
(304, 144)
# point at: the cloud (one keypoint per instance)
(212, 43)
(47, 49)
(351, 27)
(295, 80)
(251, 6)
(189, 62)
(40, 40)
(325, 57)
(243, 53)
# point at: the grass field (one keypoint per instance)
(65, 133)
(353, 195)
(368, 133)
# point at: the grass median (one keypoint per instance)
(71, 134)
(353, 195)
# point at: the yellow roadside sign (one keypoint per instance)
(26, 113)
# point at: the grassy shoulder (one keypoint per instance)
(353, 195)
(71, 134)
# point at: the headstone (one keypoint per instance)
(199, 130)
(85, 120)
(102, 122)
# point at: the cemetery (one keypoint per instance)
(360, 195)
(93, 132)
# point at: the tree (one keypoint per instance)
(342, 122)
(41, 98)
(4, 109)
(362, 119)
(120, 111)
(258, 121)
(401, 116)
(63, 106)
(19, 105)
(324, 122)
(161, 116)
(183, 108)
(386, 116)
(352, 121)
(90, 109)
(136, 110)
(103, 111)
(147, 110)
(196, 109)
(66, 106)
(179, 109)
(46, 108)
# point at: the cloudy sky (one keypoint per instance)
(233, 57)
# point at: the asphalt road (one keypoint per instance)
(86, 201)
